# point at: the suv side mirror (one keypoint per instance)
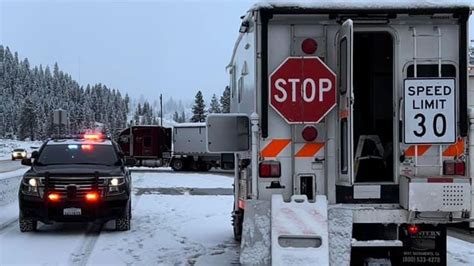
(34, 154)
(26, 161)
(129, 161)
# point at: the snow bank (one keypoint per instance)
(7, 145)
(365, 4)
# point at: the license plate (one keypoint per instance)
(72, 211)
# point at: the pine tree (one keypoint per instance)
(225, 100)
(214, 105)
(27, 120)
(199, 108)
(182, 118)
(176, 116)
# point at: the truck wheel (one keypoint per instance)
(237, 222)
(124, 223)
(27, 225)
(177, 165)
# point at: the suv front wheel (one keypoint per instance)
(27, 225)
(124, 223)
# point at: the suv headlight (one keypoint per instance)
(114, 183)
(30, 185)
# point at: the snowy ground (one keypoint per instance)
(178, 219)
(168, 228)
(7, 145)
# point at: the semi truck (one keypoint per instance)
(351, 132)
(182, 147)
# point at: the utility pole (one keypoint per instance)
(161, 110)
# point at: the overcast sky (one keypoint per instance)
(140, 47)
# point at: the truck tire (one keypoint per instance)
(27, 225)
(237, 223)
(124, 223)
(177, 165)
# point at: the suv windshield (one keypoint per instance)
(19, 150)
(78, 154)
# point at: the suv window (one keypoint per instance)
(78, 154)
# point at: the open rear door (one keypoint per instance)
(345, 104)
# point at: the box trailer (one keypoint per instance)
(190, 149)
(351, 131)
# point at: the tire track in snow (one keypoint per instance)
(80, 256)
(7, 225)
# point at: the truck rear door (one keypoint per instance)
(345, 104)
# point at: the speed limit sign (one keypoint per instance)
(430, 111)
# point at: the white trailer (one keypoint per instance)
(189, 148)
(373, 178)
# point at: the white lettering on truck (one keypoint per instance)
(309, 89)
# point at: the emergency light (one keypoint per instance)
(309, 46)
(93, 136)
(53, 197)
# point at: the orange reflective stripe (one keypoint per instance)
(309, 150)
(456, 149)
(274, 147)
(421, 150)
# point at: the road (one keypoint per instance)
(9, 165)
(178, 219)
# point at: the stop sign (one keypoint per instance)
(303, 89)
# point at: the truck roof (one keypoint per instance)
(344, 5)
(190, 125)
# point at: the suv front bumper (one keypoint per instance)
(103, 210)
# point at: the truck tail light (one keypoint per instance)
(92, 197)
(270, 169)
(413, 229)
(309, 46)
(53, 197)
(454, 167)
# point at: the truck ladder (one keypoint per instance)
(415, 75)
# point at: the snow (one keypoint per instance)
(166, 178)
(7, 145)
(167, 229)
(365, 4)
(460, 252)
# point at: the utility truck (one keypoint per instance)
(351, 131)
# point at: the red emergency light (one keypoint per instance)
(53, 197)
(310, 133)
(309, 46)
(92, 197)
(93, 136)
(86, 147)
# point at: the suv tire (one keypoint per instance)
(124, 223)
(27, 225)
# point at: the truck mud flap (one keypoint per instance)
(340, 235)
(255, 243)
(299, 231)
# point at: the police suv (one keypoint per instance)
(76, 179)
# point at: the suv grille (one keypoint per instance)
(75, 187)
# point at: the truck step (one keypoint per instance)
(299, 232)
